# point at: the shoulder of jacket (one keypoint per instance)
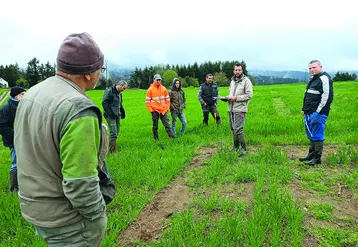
(247, 79)
(324, 76)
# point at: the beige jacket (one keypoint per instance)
(242, 89)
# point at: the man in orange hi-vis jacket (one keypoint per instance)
(158, 104)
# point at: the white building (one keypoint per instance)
(3, 83)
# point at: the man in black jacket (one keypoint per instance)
(7, 117)
(112, 103)
(316, 106)
(208, 93)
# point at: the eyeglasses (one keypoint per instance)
(158, 79)
(103, 69)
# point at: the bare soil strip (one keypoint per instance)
(174, 198)
(344, 208)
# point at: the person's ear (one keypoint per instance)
(88, 77)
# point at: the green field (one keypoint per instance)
(267, 198)
(3, 98)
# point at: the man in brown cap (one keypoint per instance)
(58, 141)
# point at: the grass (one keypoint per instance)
(3, 92)
(223, 210)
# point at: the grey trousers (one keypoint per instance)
(80, 234)
(114, 126)
(237, 122)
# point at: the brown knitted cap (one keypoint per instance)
(79, 54)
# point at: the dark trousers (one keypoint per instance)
(114, 126)
(165, 121)
(214, 112)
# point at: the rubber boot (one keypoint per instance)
(309, 156)
(112, 145)
(14, 187)
(242, 143)
(236, 143)
(317, 154)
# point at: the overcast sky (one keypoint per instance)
(268, 35)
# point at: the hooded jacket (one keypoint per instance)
(242, 89)
(157, 99)
(177, 97)
(7, 117)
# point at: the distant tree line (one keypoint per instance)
(344, 76)
(33, 74)
(269, 80)
(189, 75)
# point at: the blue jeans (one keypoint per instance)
(13, 159)
(182, 119)
(315, 130)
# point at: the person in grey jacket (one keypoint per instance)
(177, 105)
(240, 92)
(112, 103)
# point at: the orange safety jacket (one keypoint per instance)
(157, 99)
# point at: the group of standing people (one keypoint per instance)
(60, 140)
(159, 102)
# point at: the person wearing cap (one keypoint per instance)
(158, 104)
(7, 117)
(177, 105)
(208, 97)
(240, 92)
(112, 103)
(315, 110)
(58, 133)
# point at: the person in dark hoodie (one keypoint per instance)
(7, 117)
(177, 105)
(316, 106)
(112, 103)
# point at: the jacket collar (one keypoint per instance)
(238, 79)
(72, 84)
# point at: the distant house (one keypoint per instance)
(3, 83)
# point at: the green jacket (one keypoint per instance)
(58, 142)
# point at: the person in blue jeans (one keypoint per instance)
(177, 105)
(316, 107)
(7, 117)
